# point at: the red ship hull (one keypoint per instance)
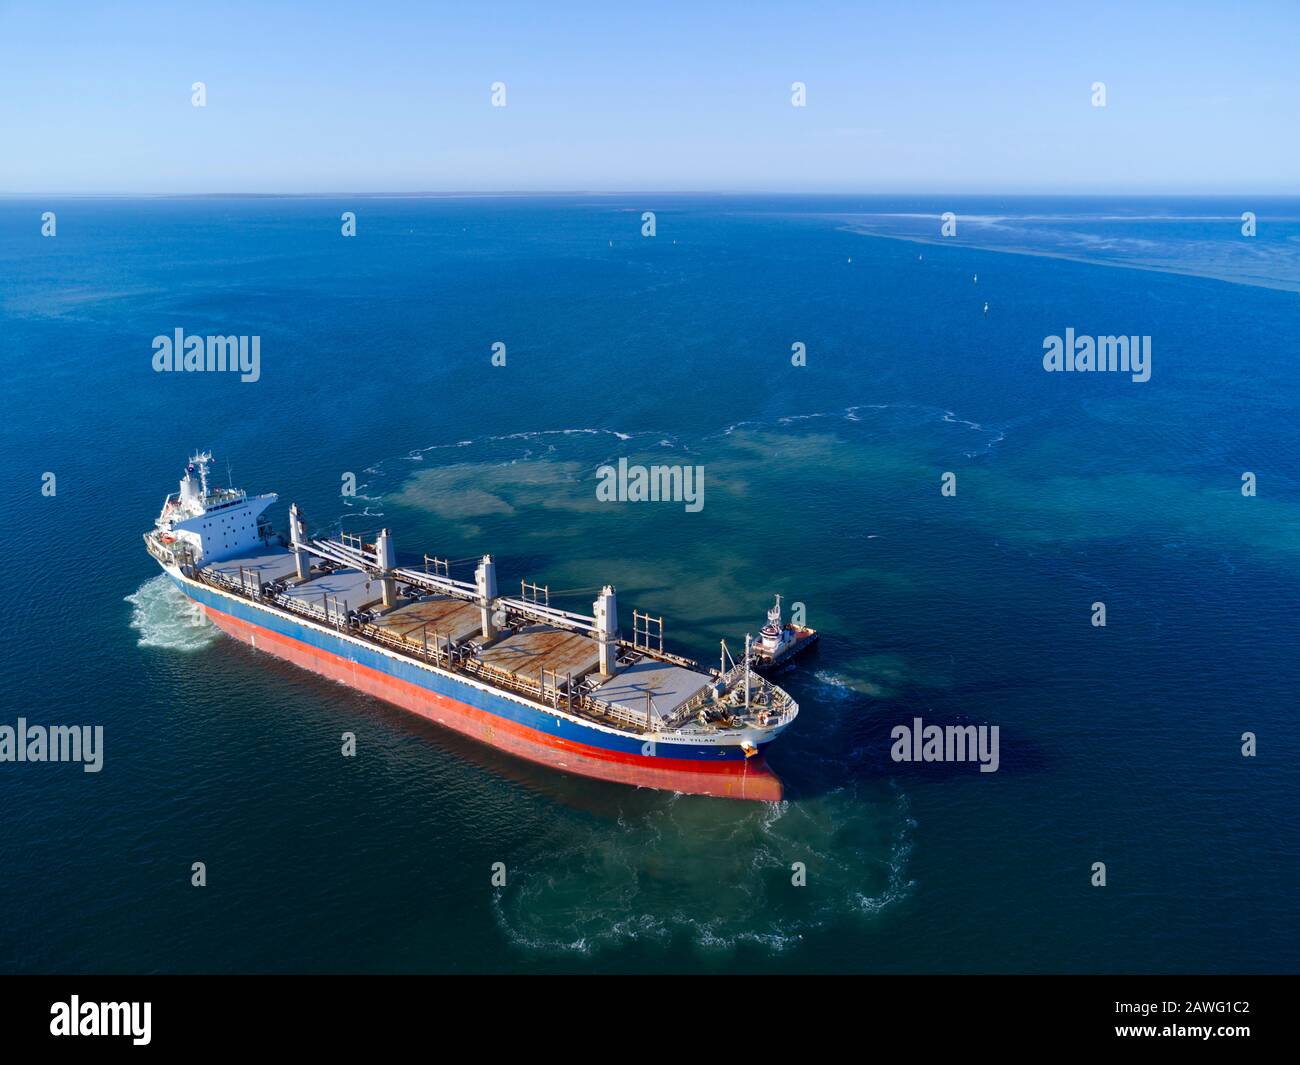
(749, 779)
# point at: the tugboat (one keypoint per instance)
(777, 644)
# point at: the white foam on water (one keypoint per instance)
(854, 414)
(838, 687)
(166, 618)
(716, 875)
(899, 885)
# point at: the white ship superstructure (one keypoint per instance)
(213, 523)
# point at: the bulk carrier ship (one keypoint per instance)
(562, 689)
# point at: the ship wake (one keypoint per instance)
(165, 618)
(682, 873)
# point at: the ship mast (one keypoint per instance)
(201, 460)
(747, 657)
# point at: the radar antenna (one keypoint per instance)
(774, 613)
(201, 460)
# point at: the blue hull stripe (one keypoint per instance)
(489, 701)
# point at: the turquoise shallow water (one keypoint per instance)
(1118, 745)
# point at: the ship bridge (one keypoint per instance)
(201, 523)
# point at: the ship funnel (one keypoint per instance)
(606, 615)
(485, 580)
(189, 493)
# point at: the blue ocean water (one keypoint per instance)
(1119, 745)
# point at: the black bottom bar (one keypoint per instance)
(562, 1015)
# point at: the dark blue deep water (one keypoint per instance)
(1119, 745)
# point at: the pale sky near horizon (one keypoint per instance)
(919, 97)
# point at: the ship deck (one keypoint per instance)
(270, 565)
(348, 587)
(436, 616)
(668, 686)
(534, 656)
(542, 647)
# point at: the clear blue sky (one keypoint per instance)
(942, 97)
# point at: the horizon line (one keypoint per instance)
(535, 193)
